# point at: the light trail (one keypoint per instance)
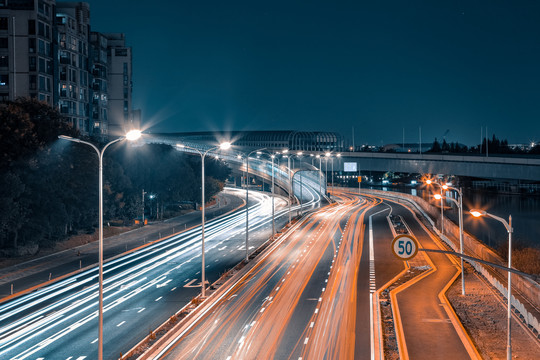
(33, 322)
(255, 322)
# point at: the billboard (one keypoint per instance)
(350, 167)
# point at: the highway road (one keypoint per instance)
(295, 302)
(142, 290)
(310, 295)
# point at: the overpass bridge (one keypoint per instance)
(492, 167)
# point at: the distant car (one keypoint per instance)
(401, 229)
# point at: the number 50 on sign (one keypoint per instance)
(405, 247)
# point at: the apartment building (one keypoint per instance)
(27, 49)
(48, 51)
(73, 28)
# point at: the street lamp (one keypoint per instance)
(320, 174)
(290, 181)
(429, 182)
(130, 136)
(508, 226)
(460, 208)
(327, 155)
(258, 151)
(222, 146)
(273, 196)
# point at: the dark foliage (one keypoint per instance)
(49, 187)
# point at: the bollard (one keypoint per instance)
(173, 230)
(126, 247)
(50, 274)
(160, 235)
(80, 264)
(11, 289)
(185, 226)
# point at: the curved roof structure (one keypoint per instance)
(274, 139)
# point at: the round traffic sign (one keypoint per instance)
(405, 247)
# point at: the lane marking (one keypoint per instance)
(140, 311)
(122, 323)
(159, 298)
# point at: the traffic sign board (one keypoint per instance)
(405, 247)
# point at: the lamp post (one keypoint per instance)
(258, 151)
(301, 186)
(327, 155)
(508, 226)
(273, 196)
(131, 136)
(320, 174)
(222, 146)
(301, 195)
(429, 182)
(290, 181)
(143, 193)
(460, 209)
(338, 156)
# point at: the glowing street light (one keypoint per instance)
(222, 146)
(508, 225)
(460, 209)
(130, 136)
(429, 182)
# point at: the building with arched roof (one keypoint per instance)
(271, 140)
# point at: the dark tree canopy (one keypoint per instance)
(49, 187)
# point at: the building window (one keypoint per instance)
(41, 28)
(32, 63)
(4, 96)
(63, 73)
(33, 82)
(120, 52)
(41, 86)
(31, 27)
(64, 58)
(42, 65)
(4, 23)
(4, 79)
(32, 45)
(4, 43)
(4, 61)
(43, 47)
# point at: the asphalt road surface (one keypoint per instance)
(141, 291)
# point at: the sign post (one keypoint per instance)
(404, 247)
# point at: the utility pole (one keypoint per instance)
(143, 206)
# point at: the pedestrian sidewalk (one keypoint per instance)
(27, 276)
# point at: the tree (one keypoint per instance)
(28, 125)
(436, 147)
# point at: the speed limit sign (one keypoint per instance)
(405, 247)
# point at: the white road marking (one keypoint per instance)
(140, 311)
(122, 323)
(159, 298)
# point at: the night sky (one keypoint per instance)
(381, 66)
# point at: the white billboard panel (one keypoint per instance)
(350, 167)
